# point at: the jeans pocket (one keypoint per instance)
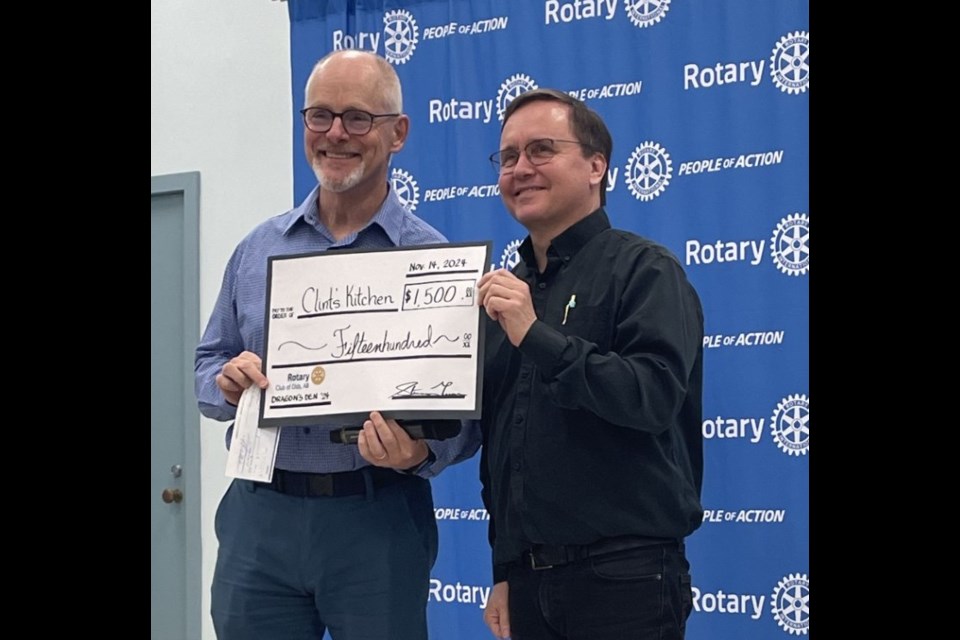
(418, 499)
(218, 514)
(686, 599)
(634, 564)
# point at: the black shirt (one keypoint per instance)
(592, 427)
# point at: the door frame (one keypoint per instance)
(188, 184)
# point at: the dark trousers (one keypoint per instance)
(289, 567)
(636, 594)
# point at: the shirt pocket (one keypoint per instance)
(593, 323)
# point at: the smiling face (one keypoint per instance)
(550, 197)
(341, 161)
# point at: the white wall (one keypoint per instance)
(221, 105)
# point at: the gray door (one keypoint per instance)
(174, 420)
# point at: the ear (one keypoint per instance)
(598, 168)
(399, 132)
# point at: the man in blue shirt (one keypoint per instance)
(344, 537)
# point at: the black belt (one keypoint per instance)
(345, 483)
(545, 556)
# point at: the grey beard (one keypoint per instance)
(344, 184)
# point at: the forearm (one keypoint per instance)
(453, 450)
(220, 342)
(210, 400)
(639, 377)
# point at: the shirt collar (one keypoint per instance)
(571, 240)
(388, 217)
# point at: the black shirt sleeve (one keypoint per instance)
(640, 381)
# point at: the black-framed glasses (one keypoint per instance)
(540, 151)
(355, 121)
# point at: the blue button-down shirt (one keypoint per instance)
(236, 325)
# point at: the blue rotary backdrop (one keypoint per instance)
(708, 103)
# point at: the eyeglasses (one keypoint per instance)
(355, 121)
(538, 152)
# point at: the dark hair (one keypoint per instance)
(588, 126)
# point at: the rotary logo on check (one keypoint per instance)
(318, 375)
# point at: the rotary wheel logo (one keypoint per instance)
(318, 375)
(510, 89)
(789, 247)
(406, 189)
(643, 13)
(791, 604)
(401, 33)
(509, 258)
(790, 63)
(790, 425)
(648, 171)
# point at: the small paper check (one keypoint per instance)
(253, 451)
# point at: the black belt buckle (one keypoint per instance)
(321, 484)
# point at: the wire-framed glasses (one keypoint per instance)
(540, 151)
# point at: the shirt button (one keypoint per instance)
(306, 431)
(524, 374)
(542, 285)
(517, 419)
(516, 466)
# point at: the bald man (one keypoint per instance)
(343, 538)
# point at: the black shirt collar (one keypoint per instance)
(566, 245)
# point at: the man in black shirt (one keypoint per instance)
(592, 457)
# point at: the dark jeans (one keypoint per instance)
(289, 568)
(637, 594)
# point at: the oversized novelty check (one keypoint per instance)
(396, 330)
